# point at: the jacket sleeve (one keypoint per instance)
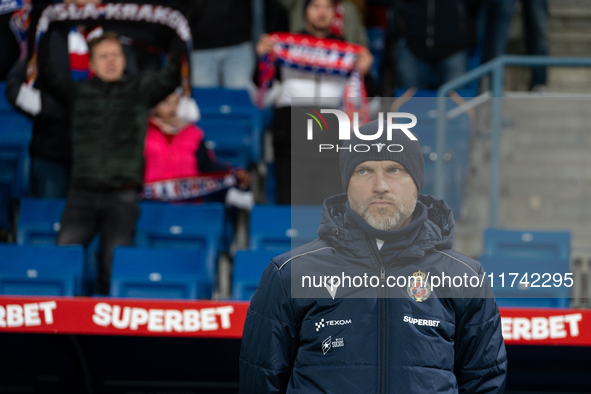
(480, 356)
(204, 161)
(14, 79)
(50, 78)
(155, 87)
(270, 338)
(50, 107)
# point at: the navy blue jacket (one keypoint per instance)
(376, 339)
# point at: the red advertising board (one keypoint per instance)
(546, 326)
(219, 319)
(116, 316)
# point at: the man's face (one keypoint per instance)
(320, 14)
(383, 193)
(108, 61)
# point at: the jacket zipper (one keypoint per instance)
(383, 342)
(383, 327)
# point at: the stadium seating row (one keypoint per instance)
(175, 245)
(529, 268)
(177, 248)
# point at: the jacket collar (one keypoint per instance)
(432, 227)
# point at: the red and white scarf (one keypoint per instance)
(78, 51)
(115, 12)
(317, 55)
(189, 188)
(338, 24)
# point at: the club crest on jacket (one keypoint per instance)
(418, 288)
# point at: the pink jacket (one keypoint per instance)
(171, 156)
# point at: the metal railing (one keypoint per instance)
(496, 68)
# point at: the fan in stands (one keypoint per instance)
(178, 165)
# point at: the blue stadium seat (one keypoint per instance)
(163, 225)
(525, 251)
(233, 123)
(39, 224)
(527, 244)
(222, 101)
(247, 268)
(39, 220)
(5, 207)
(4, 104)
(15, 135)
(282, 227)
(510, 292)
(156, 273)
(41, 270)
(231, 141)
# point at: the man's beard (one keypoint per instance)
(381, 220)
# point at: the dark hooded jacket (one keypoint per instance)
(374, 338)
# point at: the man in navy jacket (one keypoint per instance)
(342, 313)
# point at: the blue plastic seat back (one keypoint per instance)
(233, 122)
(247, 269)
(281, 227)
(527, 282)
(15, 136)
(163, 225)
(39, 223)
(156, 273)
(39, 220)
(223, 101)
(233, 142)
(527, 244)
(5, 207)
(4, 104)
(41, 270)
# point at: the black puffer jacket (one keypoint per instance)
(373, 339)
(109, 121)
(435, 29)
(51, 127)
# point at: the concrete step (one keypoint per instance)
(570, 21)
(539, 132)
(540, 211)
(540, 172)
(557, 155)
(561, 4)
(574, 80)
(517, 139)
(558, 189)
(544, 105)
